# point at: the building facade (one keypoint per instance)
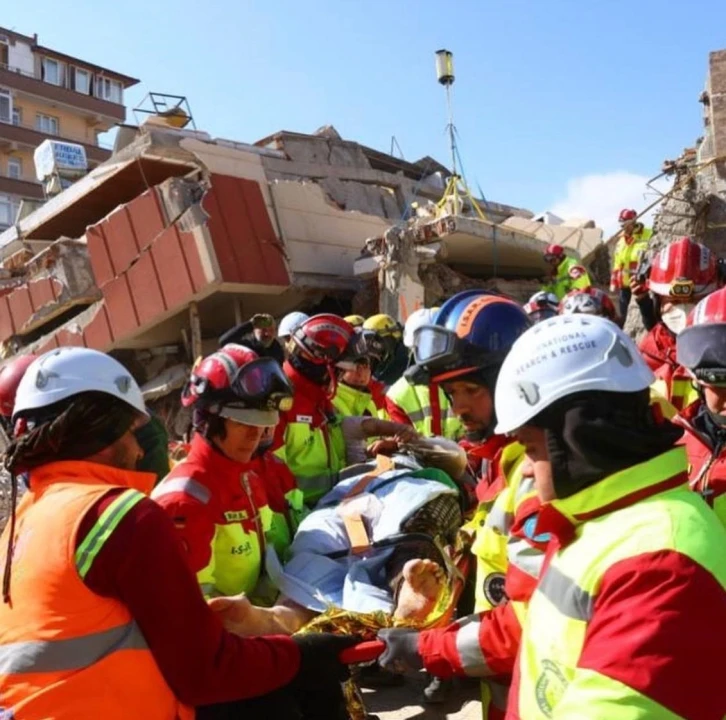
(47, 94)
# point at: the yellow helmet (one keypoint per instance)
(384, 325)
(354, 320)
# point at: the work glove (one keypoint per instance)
(401, 653)
(317, 685)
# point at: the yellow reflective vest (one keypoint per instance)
(628, 616)
(415, 402)
(570, 275)
(626, 257)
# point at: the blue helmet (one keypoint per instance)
(472, 335)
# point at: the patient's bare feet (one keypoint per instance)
(423, 581)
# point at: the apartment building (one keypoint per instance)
(47, 94)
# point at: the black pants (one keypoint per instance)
(623, 302)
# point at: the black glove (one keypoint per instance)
(401, 652)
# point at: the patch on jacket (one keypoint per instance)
(550, 687)
(576, 271)
(493, 588)
(307, 419)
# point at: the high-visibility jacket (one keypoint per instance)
(220, 510)
(630, 608)
(570, 275)
(628, 252)
(309, 438)
(509, 556)
(285, 501)
(676, 386)
(65, 652)
(350, 401)
(706, 460)
(425, 407)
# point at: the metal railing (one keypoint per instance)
(26, 126)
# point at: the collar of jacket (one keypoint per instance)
(562, 517)
(313, 396)
(90, 473)
(205, 455)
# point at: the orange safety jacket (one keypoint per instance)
(65, 652)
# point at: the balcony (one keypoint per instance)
(23, 188)
(24, 135)
(23, 82)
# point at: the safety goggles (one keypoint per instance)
(711, 376)
(318, 353)
(682, 288)
(441, 351)
(702, 349)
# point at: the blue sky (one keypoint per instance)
(548, 92)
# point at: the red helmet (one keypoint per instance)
(237, 384)
(701, 346)
(589, 301)
(11, 373)
(322, 339)
(627, 216)
(683, 270)
(553, 251)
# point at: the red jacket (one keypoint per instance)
(658, 348)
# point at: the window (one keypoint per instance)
(82, 81)
(46, 124)
(6, 106)
(8, 210)
(17, 116)
(4, 52)
(51, 71)
(109, 90)
(15, 168)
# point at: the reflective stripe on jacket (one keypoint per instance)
(626, 258)
(631, 604)
(426, 407)
(66, 653)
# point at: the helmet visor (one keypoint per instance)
(261, 384)
(434, 346)
(702, 347)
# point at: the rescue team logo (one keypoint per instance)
(576, 272)
(550, 687)
(493, 588)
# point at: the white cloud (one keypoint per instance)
(602, 197)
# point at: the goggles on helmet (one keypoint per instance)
(440, 350)
(702, 349)
(682, 288)
(711, 376)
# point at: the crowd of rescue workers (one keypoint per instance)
(517, 494)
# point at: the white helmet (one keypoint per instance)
(418, 318)
(562, 356)
(290, 322)
(69, 371)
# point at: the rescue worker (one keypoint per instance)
(420, 403)
(288, 324)
(285, 501)
(358, 392)
(218, 505)
(464, 351)
(259, 333)
(566, 273)
(395, 361)
(632, 244)
(11, 373)
(309, 437)
(590, 301)
(542, 306)
(95, 580)
(634, 591)
(681, 274)
(701, 349)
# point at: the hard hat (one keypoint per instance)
(238, 384)
(627, 216)
(355, 320)
(290, 322)
(473, 330)
(560, 357)
(422, 316)
(322, 339)
(384, 325)
(588, 301)
(541, 306)
(11, 373)
(701, 346)
(684, 270)
(553, 251)
(60, 374)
